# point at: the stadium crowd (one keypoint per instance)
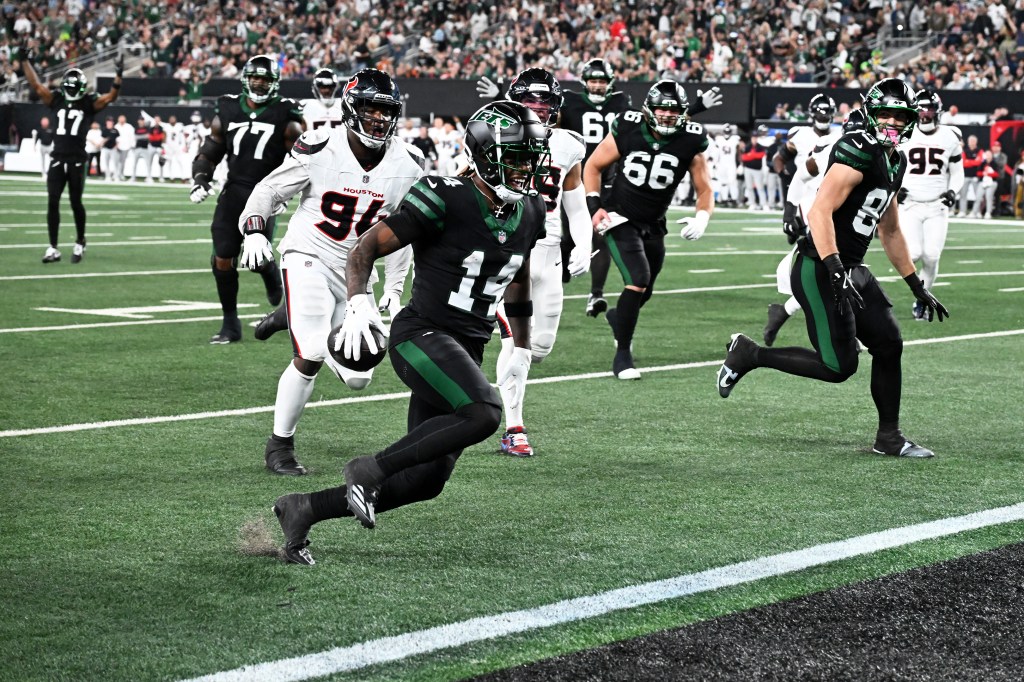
(976, 44)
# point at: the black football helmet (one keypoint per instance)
(261, 78)
(890, 95)
(666, 94)
(74, 84)
(508, 149)
(855, 120)
(325, 86)
(540, 92)
(597, 77)
(929, 106)
(371, 106)
(822, 110)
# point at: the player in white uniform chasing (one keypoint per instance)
(935, 175)
(349, 178)
(541, 92)
(324, 109)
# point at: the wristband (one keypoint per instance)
(593, 202)
(913, 281)
(254, 223)
(519, 309)
(115, 86)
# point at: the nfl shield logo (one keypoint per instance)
(366, 179)
(502, 236)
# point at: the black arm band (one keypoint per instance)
(593, 203)
(115, 85)
(519, 309)
(255, 223)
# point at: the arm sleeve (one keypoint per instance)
(282, 184)
(956, 175)
(574, 201)
(396, 268)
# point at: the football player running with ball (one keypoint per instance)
(472, 238)
(349, 178)
(561, 187)
(255, 130)
(842, 300)
(652, 149)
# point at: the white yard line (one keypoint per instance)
(441, 637)
(196, 416)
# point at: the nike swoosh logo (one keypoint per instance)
(728, 376)
(856, 144)
(433, 185)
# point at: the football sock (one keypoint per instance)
(887, 382)
(329, 504)
(791, 305)
(293, 391)
(227, 291)
(627, 312)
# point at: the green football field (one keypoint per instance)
(138, 541)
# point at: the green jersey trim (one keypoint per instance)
(497, 227)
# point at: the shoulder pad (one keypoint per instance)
(235, 97)
(956, 131)
(414, 152)
(575, 136)
(291, 102)
(311, 141)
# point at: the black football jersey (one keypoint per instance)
(857, 219)
(255, 137)
(73, 121)
(592, 121)
(649, 170)
(464, 255)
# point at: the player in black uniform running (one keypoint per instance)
(471, 238)
(653, 149)
(841, 299)
(74, 108)
(255, 131)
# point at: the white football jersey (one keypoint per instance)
(806, 138)
(316, 115)
(727, 147)
(339, 200)
(567, 150)
(930, 158)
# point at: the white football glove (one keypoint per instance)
(356, 328)
(256, 251)
(390, 301)
(711, 98)
(513, 376)
(200, 190)
(693, 228)
(579, 261)
(280, 208)
(486, 88)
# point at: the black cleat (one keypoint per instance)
(897, 445)
(362, 481)
(622, 366)
(777, 317)
(230, 332)
(295, 514)
(596, 305)
(280, 457)
(271, 323)
(739, 360)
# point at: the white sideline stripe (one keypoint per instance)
(139, 421)
(398, 647)
(140, 273)
(162, 241)
(131, 323)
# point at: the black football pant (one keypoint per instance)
(639, 254)
(227, 245)
(834, 336)
(72, 175)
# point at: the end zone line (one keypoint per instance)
(140, 421)
(399, 647)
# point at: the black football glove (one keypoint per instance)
(119, 65)
(948, 198)
(845, 294)
(925, 298)
(794, 229)
(901, 195)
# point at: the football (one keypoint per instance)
(367, 360)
